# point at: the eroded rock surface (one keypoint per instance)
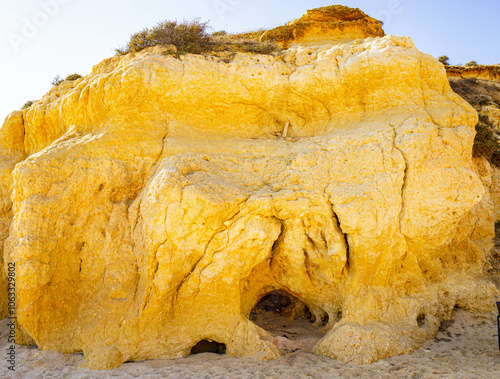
(328, 25)
(152, 203)
(485, 72)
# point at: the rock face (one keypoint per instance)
(495, 193)
(485, 72)
(328, 25)
(11, 153)
(484, 96)
(151, 204)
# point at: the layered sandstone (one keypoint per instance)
(485, 72)
(151, 204)
(328, 25)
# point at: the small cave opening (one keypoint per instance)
(207, 346)
(421, 320)
(289, 321)
(276, 302)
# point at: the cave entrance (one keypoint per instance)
(207, 346)
(289, 321)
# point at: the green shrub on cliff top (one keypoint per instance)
(193, 37)
(187, 36)
(73, 77)
(444, 60)
(471, 64)
(58, 80)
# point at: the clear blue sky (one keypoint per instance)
(67, 36)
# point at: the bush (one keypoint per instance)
(27, 105)
(484, 100)
(57, 80)
(486, 143)
(73, 77)
(471, 64)
(219, 33)
(192, 37)
(444, 60)
(187, 37)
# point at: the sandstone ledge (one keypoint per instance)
(327, 25)
(485, 72)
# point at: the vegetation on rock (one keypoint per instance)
(57, 80)
(186, 36)
(27, 104)
(477, 92)
(482, 93)
(444, 59)
(73, 77)
(471, 64)
(192, 37)
(486, 141)
(219, 33)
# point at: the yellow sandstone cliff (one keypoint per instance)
(151, 204)
(485, 72)
(328, 25)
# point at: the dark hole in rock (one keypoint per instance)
(276, 301)
(421, 320)
(325, 320)
(205, 346)
(289, 321)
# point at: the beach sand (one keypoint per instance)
(465, 347)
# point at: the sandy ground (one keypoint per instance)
(465, 347)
